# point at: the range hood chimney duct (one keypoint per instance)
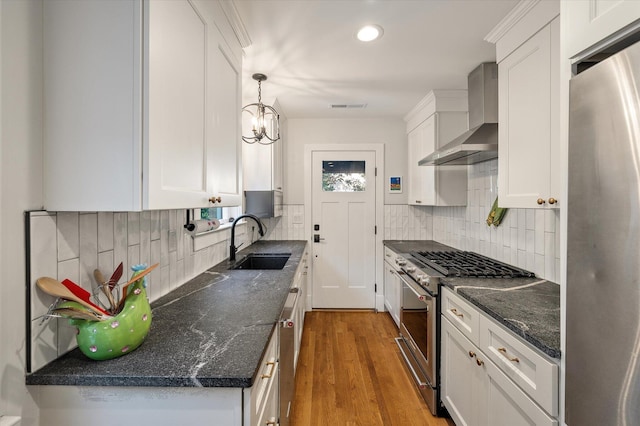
(480, 142)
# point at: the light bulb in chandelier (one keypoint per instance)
(264, 120)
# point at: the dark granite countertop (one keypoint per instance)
(210, 332)
(530, 307)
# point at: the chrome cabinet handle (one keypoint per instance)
(455, 312)
(503, 351)
(271, 421)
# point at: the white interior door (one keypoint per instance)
(343, 237)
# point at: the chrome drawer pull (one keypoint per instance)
(454, 311)
(503, 351)
(271, 421)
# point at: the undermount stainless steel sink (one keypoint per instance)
(263, 261)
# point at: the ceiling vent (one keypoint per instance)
(347, 106)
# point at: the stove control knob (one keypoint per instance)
(421, 278)
(411, 269)
(401, 261)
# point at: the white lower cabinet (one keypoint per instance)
(512, 386)
(392, 285)
(392, 289)
(300, 308)
(476, 392)
(261, 400)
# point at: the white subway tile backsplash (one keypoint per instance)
(528, 238)
(120, 240)
(133, 228)
(73, 245)
(68, 237)
(105, 231)
(88, 249)
(154, 224)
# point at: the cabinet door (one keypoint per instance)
(391, 295)
(93, 104)
(432, 185)
(591, 21)
(223, 157)
(417, 174)
(528, 114)
(462, 379)
(449, 182)
(277, 160)
(176, 136)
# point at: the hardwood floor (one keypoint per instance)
(351, 373)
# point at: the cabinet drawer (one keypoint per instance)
(508, 405)
(390, 256)
(269, 412)
(461, 314)
(266, 378)
(536, 375)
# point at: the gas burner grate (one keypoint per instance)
(469, 264)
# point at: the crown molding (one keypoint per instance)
(512, 18)
(231, 12)
(431, 99)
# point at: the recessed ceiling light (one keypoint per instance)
(370, 33)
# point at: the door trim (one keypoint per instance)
(378, 148)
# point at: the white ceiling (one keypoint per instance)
(309, 52)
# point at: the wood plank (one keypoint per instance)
(351, 372)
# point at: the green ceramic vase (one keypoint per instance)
(120, 334)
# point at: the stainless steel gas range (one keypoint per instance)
(421, 273)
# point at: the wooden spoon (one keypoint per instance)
(56, 288)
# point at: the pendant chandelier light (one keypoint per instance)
(264, 119)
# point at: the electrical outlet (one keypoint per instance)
(173, 240)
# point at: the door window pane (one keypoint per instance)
(343, 176)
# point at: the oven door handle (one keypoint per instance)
(420, 295)
(420, 383)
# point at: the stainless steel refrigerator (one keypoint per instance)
(603, 259)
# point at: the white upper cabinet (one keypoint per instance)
(438, 119)
(591, 23)
(529, 110)
(142, 105)
(263, 165)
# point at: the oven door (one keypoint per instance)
(418, 326)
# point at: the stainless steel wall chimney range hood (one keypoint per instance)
(480, 142)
